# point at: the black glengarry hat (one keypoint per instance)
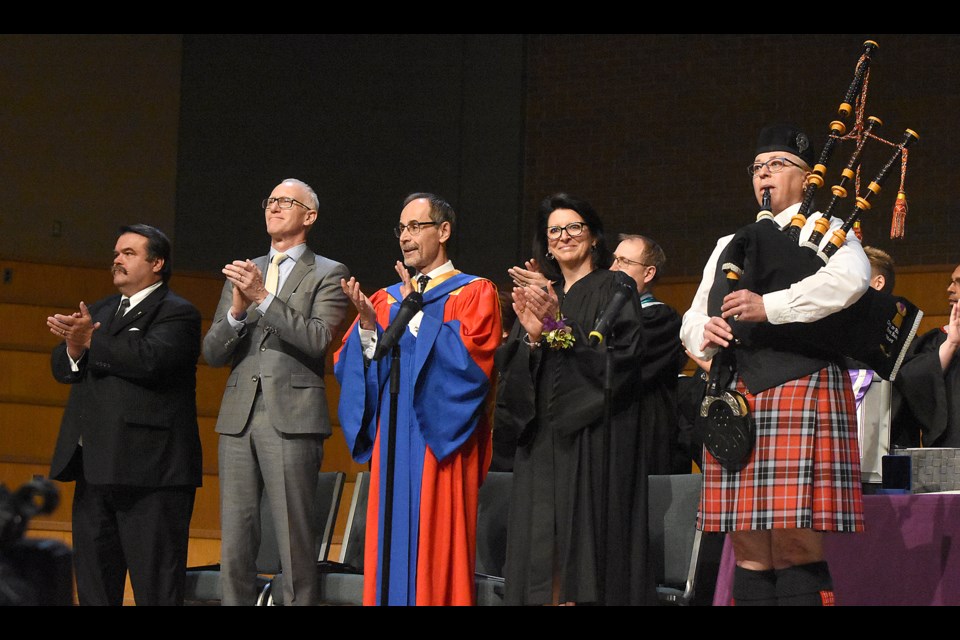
(786, 137)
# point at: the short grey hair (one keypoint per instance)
(311, 194)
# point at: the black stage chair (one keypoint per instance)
(493, 512)
(675, 541)
(341, 583)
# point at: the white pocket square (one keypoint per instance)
(133, 329)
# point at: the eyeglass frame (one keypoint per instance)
(266, 203)
(628, 262)
(752, 172)
(566, 228)
(413, 227)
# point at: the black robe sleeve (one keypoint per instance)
(662, 362)
(928, 413)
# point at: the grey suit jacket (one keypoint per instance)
(283, 350)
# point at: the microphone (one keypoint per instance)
(408, 308)
(626, 287)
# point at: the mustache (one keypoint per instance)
(117, 269)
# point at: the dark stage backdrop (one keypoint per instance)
(363, 119)
(191, 131)
(88, 125)
(656, 130)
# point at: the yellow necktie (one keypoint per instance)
(273, 272)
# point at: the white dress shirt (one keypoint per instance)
(368, 337)
(836, 286)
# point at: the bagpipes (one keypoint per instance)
(876, 330)
(855, 95)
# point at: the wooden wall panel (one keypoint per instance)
(336, 455)
(26, 378)
(57, 286)
(926, 287)
(52, 285)
(676, 292)
(25, 327)
(211, 382)
(29, 432)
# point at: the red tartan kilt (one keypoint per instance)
(804, 471)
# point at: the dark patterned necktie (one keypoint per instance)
(122, 310)
(422, 281)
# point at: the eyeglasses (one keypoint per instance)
(283, 203)
(624, 262)
(574, 230)
(774, 165)
(413, 227)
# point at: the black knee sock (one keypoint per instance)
(805, 585)
(754, 588)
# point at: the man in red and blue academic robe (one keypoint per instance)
(442, 418)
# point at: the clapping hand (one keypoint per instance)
(532, 305)
(76, 329)
(365, 310)
(529, 276)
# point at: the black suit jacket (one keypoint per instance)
(134, 398)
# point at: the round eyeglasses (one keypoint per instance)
(574, 230)
(413, 227)
(283, 203)
(773, 165)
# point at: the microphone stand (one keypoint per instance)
(388, 485)
(412, 303)
(606, 475)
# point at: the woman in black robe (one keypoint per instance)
(574, 536)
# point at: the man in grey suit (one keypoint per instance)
(273, 330)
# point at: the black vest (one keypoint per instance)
(767, 355)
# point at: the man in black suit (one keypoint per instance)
(129, 436)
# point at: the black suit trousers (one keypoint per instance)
(145, 530)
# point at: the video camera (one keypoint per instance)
(32, 571)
